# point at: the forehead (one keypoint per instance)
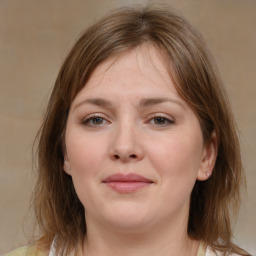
(142, 69)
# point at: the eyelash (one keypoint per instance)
(167, 120)
(86, 121)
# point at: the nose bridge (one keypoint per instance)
(126, 144)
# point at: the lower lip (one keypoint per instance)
(127, 187)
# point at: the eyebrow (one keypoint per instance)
(154, 101)
(97, 101)
(147, 102)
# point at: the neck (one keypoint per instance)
(165, 240)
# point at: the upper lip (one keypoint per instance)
(130, 177)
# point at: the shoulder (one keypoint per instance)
(209, 252)
(26, 251)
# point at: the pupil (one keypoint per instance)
(97, 120)
(159, 120)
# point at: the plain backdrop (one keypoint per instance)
(35, 36)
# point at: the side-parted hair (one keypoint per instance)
(59, 213)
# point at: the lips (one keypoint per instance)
(127, 183)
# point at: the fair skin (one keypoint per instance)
(129, 119)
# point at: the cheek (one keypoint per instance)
(86, 158)
(85, 154)
(178, 157)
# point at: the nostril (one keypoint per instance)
(117, 156)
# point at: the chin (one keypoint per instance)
(129, 219)
(130, 226)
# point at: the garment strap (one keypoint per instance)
(202, 249)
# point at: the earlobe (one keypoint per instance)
(66, 166)
(208, 158)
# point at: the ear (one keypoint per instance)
(66, 165)
(208, 158)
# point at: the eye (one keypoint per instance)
(94, 121)
(161, 120)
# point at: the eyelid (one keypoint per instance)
(167, 116)
(171, 120)
(87, 118)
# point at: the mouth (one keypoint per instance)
(127, 183)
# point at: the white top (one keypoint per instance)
(52, 250)
(209, 252)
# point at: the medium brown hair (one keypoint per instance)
(59, 212)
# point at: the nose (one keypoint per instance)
(126, 144)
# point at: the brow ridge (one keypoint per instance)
(143, 103)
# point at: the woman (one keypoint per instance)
(138, 152)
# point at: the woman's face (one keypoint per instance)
(134, 148)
